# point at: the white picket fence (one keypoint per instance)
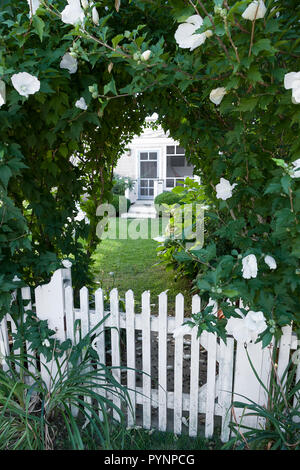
(227, 369)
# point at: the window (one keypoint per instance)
(177, 165)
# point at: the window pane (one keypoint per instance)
(152, 156)
(180, 150)
(170, 183)
(170, 149)
(144, 156)
(144, 183)
(178, 161)
(149, 169)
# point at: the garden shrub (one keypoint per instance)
(167, 197)
(116, 203)
(120, 184)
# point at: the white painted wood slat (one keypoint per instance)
(130, 350)
(115, 347)
(211, 379)
(194, 380)
(225, 385)
(146, 358)
(162, 362)
(100, 339)
(178, 363)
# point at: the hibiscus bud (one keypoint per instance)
(208, 33)
(255, 11)
(146, 55)
(95, 16)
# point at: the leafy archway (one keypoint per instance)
(223, 87)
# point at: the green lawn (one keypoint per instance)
(133, 264)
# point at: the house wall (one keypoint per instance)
(128, 165)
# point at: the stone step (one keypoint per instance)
(138, 215)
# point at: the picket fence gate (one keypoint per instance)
(228, 371)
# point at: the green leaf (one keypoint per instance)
(263, 45)
(38, 26)
(248, 104)
(230, 292)
(110, 87)
(286, 183)
(254, 74)
(115, 41)
(5, 174)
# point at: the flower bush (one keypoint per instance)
(247, 136)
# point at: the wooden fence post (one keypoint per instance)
(50, 306)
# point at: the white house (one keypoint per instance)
(155, 162)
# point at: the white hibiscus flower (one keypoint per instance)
(2, 93)
(255, 322)
(68, 62)
(295, 173)
(67, 264)
(34, 4)
(247, 328)
(146, 55)
(25, 84)
(81, 104)
(249, 267)
(270, 261)
(255, 10)
(185, 37)
(292, 81)
(224, 189)
(217, 95)
(72, 13)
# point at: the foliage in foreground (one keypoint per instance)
(246, 137)
(35, 415)
(281, 416)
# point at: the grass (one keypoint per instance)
(133, 264)
(140, 439)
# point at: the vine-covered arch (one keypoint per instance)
(226, 86)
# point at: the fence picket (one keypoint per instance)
(178, 364)
(194, 380)
(162, 361)
(284, 352)
(211, 378)
(146, 357)
(14, 330)
(115, 347)
(225, 385)
(130, 349)
(85, 323)
(100, 339)
(4, 343)
(70, 316)
(32, 364)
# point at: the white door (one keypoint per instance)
(148, 168)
